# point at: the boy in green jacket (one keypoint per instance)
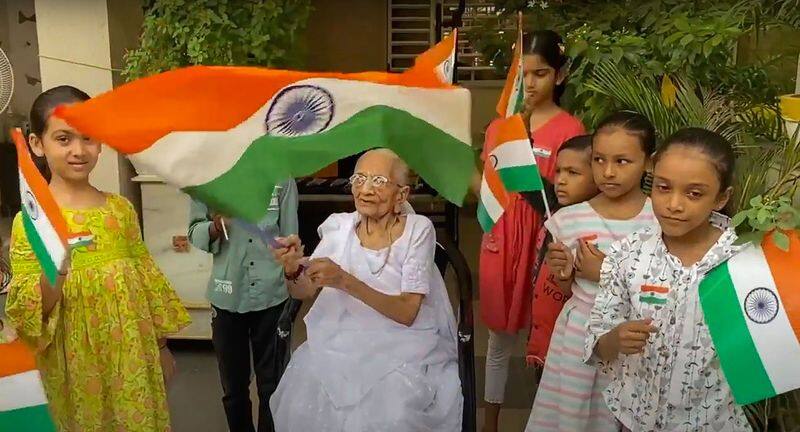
(247, 292)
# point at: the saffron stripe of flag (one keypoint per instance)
(654, 289)
(441, 58)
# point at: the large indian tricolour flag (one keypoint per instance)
(227, 135)
(752, 308)
(44, 225)
(23, 404)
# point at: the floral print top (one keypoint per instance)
(677, 384)
(97, 350)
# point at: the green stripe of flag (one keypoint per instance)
(521, 178)
(652, 300)
(422, 145)
(39, 249)
(735, 347)
(29, 419)
(484, 218)
(519, 103)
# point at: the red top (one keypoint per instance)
(508, 252)
(548, 300)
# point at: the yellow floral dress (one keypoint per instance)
(98, 350)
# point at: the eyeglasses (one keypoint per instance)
(377, 181)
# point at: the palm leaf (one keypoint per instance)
(781, 413)
(689, 106)
(636, 93)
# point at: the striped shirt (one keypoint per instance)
(579, 221)
(570, 394)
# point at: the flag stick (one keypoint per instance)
(546, 205)
(224, 228)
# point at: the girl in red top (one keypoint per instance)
(507, 252)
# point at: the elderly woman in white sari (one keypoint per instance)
(381, 351)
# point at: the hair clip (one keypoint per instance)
(561, 48)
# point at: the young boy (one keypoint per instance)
(247, 292)
(573, 184)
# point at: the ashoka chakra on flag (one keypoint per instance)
(761, 305)
(300, 110)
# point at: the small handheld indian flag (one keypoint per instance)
(751, 305)
(653, 294)
(512, 101)
(513, 96)
(513, 157)
(45, 227)
(441, 58)
(494, 197)
(227, 135)
(80, 239)
(23, 404)
(510, 166)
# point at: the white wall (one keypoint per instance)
(74, 49)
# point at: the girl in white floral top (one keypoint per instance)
(646, 328)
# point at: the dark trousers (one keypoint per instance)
(234, 336)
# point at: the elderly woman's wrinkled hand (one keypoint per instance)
(291, 255)
(324, 272)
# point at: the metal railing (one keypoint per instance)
(415, 25)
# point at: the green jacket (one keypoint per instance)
(245, 277)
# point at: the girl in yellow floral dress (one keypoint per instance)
(100, 331)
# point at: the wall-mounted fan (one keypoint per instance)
(6, 90)
(6, 82)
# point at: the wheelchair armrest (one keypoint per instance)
(288, 316)
(464, 282)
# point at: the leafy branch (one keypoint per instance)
(179, 33)
(775, 216)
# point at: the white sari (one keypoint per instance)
(360, 371)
